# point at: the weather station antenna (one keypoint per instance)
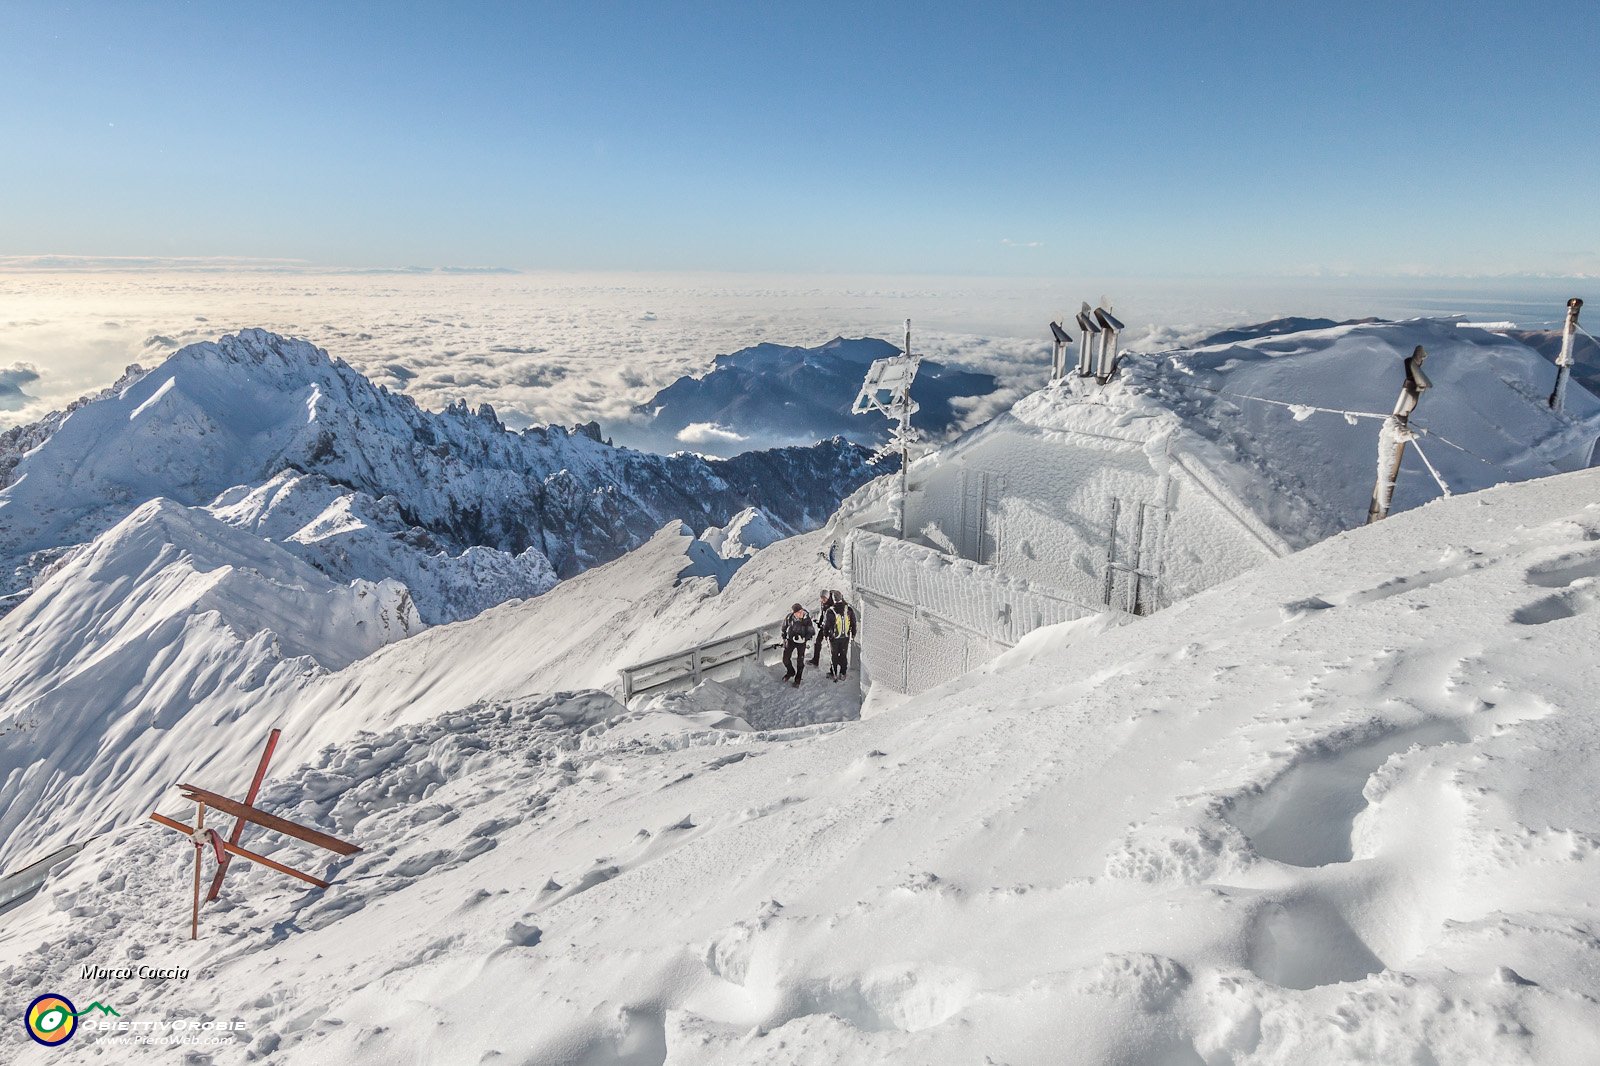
(887, 391)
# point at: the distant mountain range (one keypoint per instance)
(772, 395)
(278, 439)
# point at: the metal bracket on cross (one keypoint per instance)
(226, 850)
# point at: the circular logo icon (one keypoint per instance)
(51, 1019)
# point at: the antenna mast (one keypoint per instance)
(903, 435)
(887, 391)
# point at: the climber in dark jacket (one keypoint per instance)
(839, 629)
(798, 630)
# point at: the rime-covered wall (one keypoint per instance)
(1042, 504)
(928, 617)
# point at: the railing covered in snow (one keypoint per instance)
(692, 664)
(20, 885)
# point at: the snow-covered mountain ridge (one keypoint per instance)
(254, 406)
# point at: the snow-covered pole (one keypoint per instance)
(1088, 337)
(887, 391)
(1058, 361)
(1106, 361)
(1395, 434)
(1569, 334)
(904, 433)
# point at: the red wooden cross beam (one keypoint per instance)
(226, 850)
(238, 823)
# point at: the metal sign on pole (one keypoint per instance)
(1089, 341)
(1106, 363)
(1058, 362)
(1396, 432)
(1564, 361)
(887, 391)
(225, 850)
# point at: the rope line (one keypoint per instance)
(1279, 403)
(1417, 444)
(1446, 440)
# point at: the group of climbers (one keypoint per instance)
(835, 624)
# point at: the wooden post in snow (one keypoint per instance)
(223, 857)
(199, 830)
(1394, 435)
(1569, 334)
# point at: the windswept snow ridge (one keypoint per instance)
(168, 626)
(176, 641)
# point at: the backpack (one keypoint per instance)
(841, 619)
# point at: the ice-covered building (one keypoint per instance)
(1190, 467)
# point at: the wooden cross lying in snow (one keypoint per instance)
(244, 812)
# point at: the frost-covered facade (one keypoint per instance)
(1044, 515)
(1192, 467)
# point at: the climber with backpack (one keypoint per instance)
(798, 630)
(839, 628)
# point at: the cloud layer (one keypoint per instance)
(567, 348)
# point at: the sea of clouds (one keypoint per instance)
(566, 348)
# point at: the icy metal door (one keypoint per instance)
(980, 513)
(1133, 536)
(885, 643)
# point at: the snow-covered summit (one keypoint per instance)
(747, 533)
(1188, 468)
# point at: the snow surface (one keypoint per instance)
(1337, 810)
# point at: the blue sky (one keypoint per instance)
(1162, 139)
